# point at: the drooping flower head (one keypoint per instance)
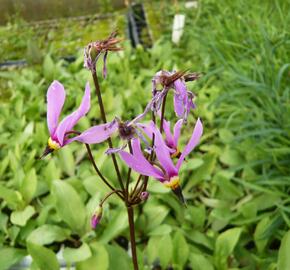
(183, 99)
(60, 132)
(93, 51)
(165, 171)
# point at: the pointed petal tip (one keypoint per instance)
(178, 192)
(46, 152)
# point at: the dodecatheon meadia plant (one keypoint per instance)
(161, 157)
(165, 171)
(60, 132)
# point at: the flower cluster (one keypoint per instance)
(153, 148)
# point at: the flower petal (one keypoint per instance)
(70, 121)
(138, 162)
(168, 135)
(95, 134)
(162, 152)
(194, 140)
(176, 132)
(179, 97)
(55, 100)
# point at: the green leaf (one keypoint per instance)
(67, 160)
(116, 225)
(28, 186)
(13, 198)
(118, 258)
(43, 257)
(165, 250)
(180, 249)
(161, 230)
(47, 234)
(284, 251)
(261, 241)
(225, 245)
(21, 217)
(69, 205)
(100, 258)
(48, 68)
(200, 262)
(231, 157)
(72, 255)
(204, 171)
(10, 256)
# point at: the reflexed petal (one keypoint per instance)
(95, 134)
(176, 132)
(138, 162)
(70, 121)
(169, 137)
(179, 97)
(178, 105)
(55, 100)
(194, 140)
(162, 152)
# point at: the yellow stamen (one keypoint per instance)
(173, 183)
(175, 154)
(53, 144)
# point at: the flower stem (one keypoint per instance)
(129, 173)
(98, 171)
(132, 236)
(104, 119)
(162, 113)
(116, 191)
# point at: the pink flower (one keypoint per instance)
(183, 99)
(59, 132)
(165, 171)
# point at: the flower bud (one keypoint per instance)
(96, 218)
(144, 195)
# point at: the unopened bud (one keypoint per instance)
(96, 218)
(144, 195)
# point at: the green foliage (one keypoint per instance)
(236, 182)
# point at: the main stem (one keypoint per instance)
(132, 236)
(104, 119)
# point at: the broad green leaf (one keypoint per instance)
(161, 230)
(180, 249)
(43, 257)
(10, 256)
(225, 245)
(22, 216)
(231, 157)
(99, 258)
(28, 186)
(11, 197)
(72, 255)
(204, 171)
(152, 249)
(47, 234)
(48, 68)
(67, 160)
(284, 251)
(118, 258)
(116, 225)
(261, 241)
(155, 214)
(69, 205)
(200, 262)
(165, 250)
(225, 135)
(196, 215)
